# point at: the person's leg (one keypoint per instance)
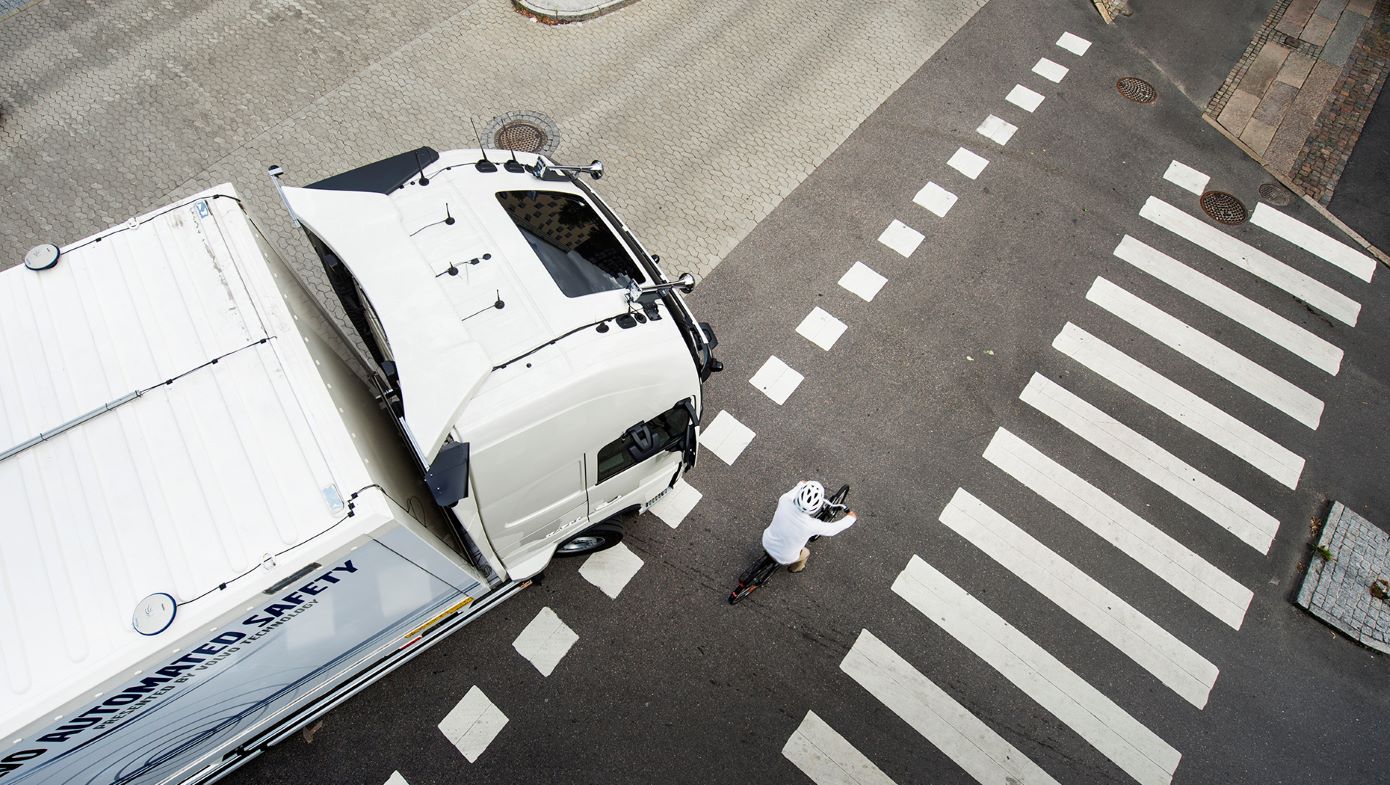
(801, 563)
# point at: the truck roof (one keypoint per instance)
(163, 430)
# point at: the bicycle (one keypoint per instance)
(833, 510)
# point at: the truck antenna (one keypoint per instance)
(484, 165)
(423, 179)
(448, 216)
(514, 166)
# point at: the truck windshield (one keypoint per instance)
(571, 240)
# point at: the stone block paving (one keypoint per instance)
(707, 113)
(1338, 590)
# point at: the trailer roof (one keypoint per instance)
(162, 429)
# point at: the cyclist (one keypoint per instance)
(795, 523)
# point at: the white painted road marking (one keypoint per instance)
(1170, 660)
(1023, 98)
(777, 380)
(1177, 402)
(1229, 302)
(1257, 262)
(863, 281)
(611, 569)
(1049, 70)
(676, 504)
(951, 727)
(901, 238)
(1314, 241)
(967, 163)
(473, 724)
(1074, 44)
(1209, 353)
(828, 758)
(396, 779)
(726, 437)
(1157, 552)
(1232, 512)
(1186, 178)
(545, 641)
(1071, 699)
(997, 130)
(936, 199)
(820, 328)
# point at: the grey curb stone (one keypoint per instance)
(1338, 592)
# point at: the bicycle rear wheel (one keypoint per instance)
(752, 578)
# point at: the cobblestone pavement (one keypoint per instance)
(706, 112)
(1338, 590)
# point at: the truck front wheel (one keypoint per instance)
(598, 537)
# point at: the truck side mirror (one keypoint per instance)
(643, 444)
(447, 477)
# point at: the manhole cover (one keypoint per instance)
(521, 137)
(1224, 208)
(524, 132)
(1136, 89)
(1276, 194)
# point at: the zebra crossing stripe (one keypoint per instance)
(828, 758)
(1170, 660)
(1229, 302)
(1097, 719)
(1209, 353)
(1253, 260)
(1190, 574)
(1253, 526)
(1314, 241)
(1177, 402)
(941, 720)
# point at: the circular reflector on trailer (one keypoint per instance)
(154, 614)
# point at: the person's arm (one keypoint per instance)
(832, 528)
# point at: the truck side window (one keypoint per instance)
(667, 428)
(572, 241)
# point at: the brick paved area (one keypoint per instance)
(706, 112)
(1338, 591)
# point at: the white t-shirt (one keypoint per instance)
(791, 529)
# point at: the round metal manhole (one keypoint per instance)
(1224, 208)
(1276, 194)
(521, 137)
(523, 132)
(1136, 89)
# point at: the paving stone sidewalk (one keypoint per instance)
(1338, 590)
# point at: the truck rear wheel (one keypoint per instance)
(598, 537)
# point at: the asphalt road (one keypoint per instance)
(667, 683)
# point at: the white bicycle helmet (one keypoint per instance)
(810, 498)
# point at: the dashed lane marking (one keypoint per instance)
(997, 130)
(473, 724)
(863, 281)
(1025, 99)
(1314, 241)
(1232, 512)
(1193, 576)
(936, 199)
(1253, 260)
(1050, 70)
(1071, 699)
(545, 641)
(1186, 178)
(1180, 404)
(676, 504)
(1231, 303)
(726, 437)
(1074, 44)
(941, 720)
(821, 329)
(901, 238)
(1170, 660)
(1209, 353)
(967, 163)
(777, 380)
(611, 569)
(828, 758)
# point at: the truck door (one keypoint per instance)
(639, 463)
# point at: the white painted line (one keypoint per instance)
(863, 281)
(611, 569)
(821, 329)
(1023, 98)
(1229, 302)
(1251, 259)
(1074, 44)
(1171, 661)
(941, 720)
(545, 641)
(1186, 178)
(1049, 70)
(1157, 552)
(828, 758)
(1314, 241)
(901, 237)
(1209, 353)
(1232, 512)
(777, 380)
(1177, 402)
(1097, 719)
(396, 779)
(967, 163)
(997, 130)
(936, 199)
(473, 724)
(726, 437)
(676, 504)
